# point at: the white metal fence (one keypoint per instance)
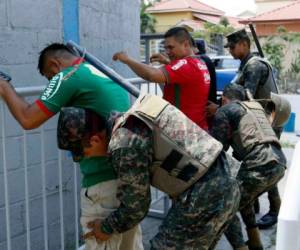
(288, 228)
(36, 221)
(46, 176)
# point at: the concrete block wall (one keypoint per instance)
(27, 26)
(119, 19)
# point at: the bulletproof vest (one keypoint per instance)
(254, 128)
(183, 152)
(264, 89)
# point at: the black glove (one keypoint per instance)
(4, 76)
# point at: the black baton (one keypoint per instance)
(104, 69)
(260, 51)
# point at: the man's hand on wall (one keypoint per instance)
(4, 76)
(4, 80)
(2, 86)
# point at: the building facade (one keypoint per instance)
(267, 23)
(263, 6)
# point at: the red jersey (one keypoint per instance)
(187, 88)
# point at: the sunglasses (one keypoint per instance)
(232, 46)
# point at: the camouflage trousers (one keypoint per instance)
(199, 216)
(273, 193)
(254, 182)
(274, 199)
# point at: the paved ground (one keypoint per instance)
(288, 141)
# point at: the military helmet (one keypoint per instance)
(74, 125)
(282, 110)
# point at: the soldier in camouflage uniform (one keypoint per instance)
(255, 74)
(198, 216)
(262, 160)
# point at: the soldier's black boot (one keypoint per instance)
(254, 242)
(267, 220)
(270, 218)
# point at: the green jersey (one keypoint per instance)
(86, 87)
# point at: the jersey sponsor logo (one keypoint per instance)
(53, 86)
(207, 78)
(95, 71)
(202, 66)
(179, 64)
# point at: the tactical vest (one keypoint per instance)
(263, 90)
(183, 152)
(254, 128)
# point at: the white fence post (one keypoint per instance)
(288, 228)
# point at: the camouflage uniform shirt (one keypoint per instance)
(133, 175)
(255, 74)
(197, 217)
(226, 122)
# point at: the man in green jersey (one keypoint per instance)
(73, 82)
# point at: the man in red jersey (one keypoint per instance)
(186, 78)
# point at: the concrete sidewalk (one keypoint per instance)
(288, 141)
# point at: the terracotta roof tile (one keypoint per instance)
(288, 12)
(195, 25)
(208, 18)
(184, 5)
(235, 22)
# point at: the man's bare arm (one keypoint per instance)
(29, 116)
(144, 71)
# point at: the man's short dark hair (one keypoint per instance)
(54, 49)
(234, 91)
(180, 34)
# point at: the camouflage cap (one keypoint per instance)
(235, 37)
(74, 128)
(71, 129)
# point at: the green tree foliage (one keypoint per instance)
(214, 33)
(295, 65)
(274, 53)
(210, 29)
(224, 21)
(276, 48)
(148, 21)
(291, 77)
(222, 27)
